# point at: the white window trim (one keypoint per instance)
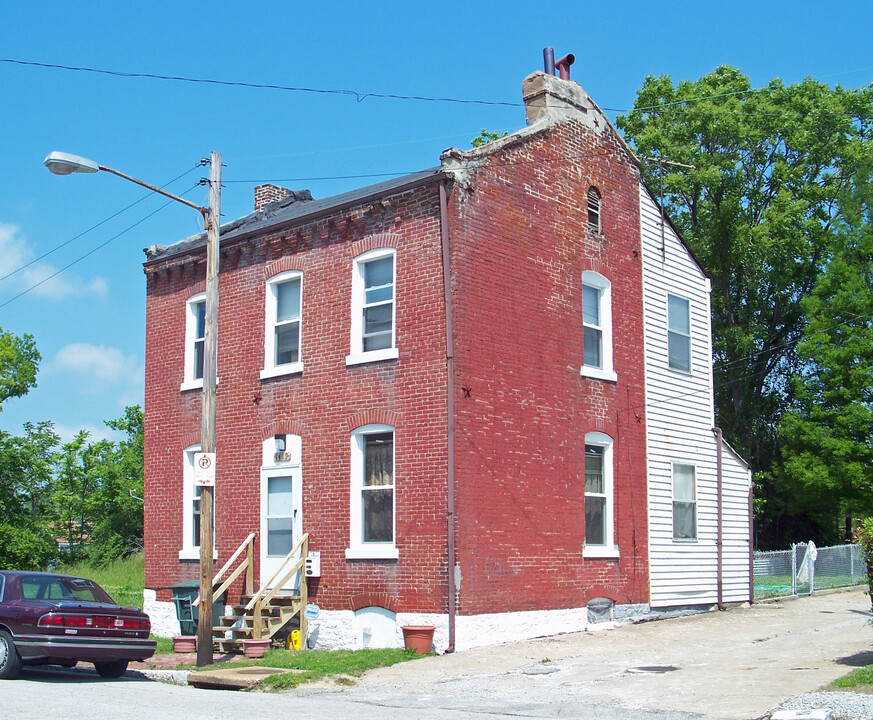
(271, 369)
(675, 332)
(356, 355)
(673, 500)
(606, 372)
(609, 549)
(188, 380)
(190, 551)
(357, 549)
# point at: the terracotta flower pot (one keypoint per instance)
(256, 648)
(418, 638)
(184, 643)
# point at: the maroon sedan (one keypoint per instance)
(48, 619)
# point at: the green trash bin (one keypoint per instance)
(184, 595)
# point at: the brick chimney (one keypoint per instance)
(547, 97)
(269, 193)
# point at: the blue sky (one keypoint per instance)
(88, 320)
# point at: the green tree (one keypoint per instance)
(486, 137)
(829, 432)
(759, 208)
(26, 538)
(19, 360)
(118, 522)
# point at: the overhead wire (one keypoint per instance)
(93, 227)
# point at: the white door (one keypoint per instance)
(281, 521)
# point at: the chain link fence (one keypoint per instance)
(806, 568)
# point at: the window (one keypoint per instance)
(282, 327)
(190, 508)
(594, 206)
(373, 308)
(684, 502)
(372, 493)
(597, 327)
(599, 523)
(195, 342)
(679, 333)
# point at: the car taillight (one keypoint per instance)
(100, 622)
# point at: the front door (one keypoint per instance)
(281, 521)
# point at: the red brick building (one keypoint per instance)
(440, 378)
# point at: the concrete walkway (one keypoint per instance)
(737, 664)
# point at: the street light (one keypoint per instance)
(61, 163)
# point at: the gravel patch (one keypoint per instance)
(844, 705)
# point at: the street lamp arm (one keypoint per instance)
(154, 188)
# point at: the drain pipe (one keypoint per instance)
(450, 409)
(719, 529)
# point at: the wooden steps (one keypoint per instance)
(240, 625)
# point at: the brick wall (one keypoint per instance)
(520, 243)
(322, 404)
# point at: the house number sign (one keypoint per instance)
(204, 469)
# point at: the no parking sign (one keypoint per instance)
(204, 469)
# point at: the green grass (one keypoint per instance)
(861, 676)
(123, 579)
(317, 664)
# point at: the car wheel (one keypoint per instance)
(10, 660)
(111, 669)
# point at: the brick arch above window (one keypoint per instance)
(374, 599)
(282, 427)
(374, 242)
(284, 264)
(606, 591)
(191, 438)
(372, 417)
(595, 266)
(198, 287)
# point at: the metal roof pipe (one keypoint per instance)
(564, 64)
(549, 60)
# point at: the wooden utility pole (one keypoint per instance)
(207, 432)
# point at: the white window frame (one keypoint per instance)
(693, 501)
(189, 382)
(679, 333)
(604, 288)
(608, 549)
(357, 355)
(191, 550)
(271, 369)
(358, 549)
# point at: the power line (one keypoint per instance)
(93, 227)
(93, 250)
(359, 96)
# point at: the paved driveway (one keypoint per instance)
(738, 664)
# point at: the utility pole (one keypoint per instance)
(207, 432)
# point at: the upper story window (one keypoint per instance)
(373, 307)
(371, 522)
(599, 500)
(594, 208)
(684, 502)
(195, 341)
(679, 333)
(282, 331)
(597, 327)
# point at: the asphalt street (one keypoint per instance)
(738, 664)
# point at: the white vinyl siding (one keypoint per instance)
(679, 430)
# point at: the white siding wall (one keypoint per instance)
(679, 423)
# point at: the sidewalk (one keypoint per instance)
(737, 664)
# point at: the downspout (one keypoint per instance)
(450, 410)
(719, 529)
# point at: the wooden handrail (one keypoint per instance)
(246, 545)
(271, 585)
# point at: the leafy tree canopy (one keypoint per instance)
(19, 360)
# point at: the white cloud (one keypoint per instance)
(95, 433)
(98, 367)
(39, 277)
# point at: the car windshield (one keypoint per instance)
(46, 587)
